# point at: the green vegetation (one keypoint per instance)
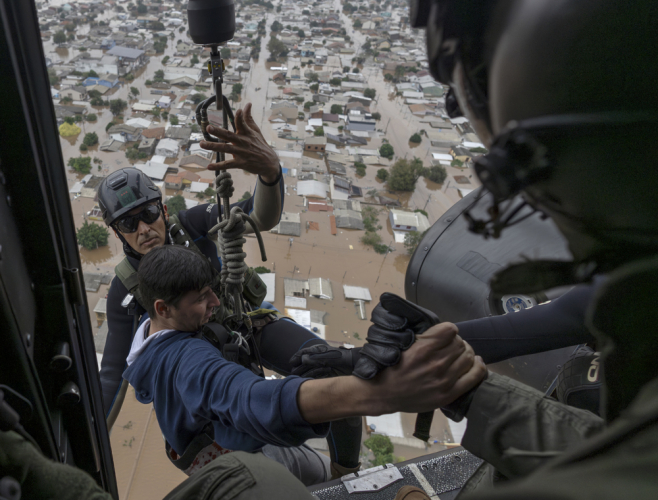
(98, 101)
(91, 139)
(197, 98)
(173, 119)
(412, 239)
(165, 60)
(69, 120)
(159, 45)
(83, 147)
(195, 59)
(382, 174)
(479, 150)
(370, 93)
(134, 91)
(436, 173)
(276, 47)
(66, 100)
(59, 37)
(117, 106)
(386, 150)
(245, 196)
(308, 104)
(370, 219)
(335, 82)
(67, 129)
(81, 164)
(382, 449)
(361, 170)
(415, 139)
(129, 77)
(209, 191)
(225, 52)
(357, 24)
(158, 76)
(456, 163)
(91, 117)
(134, 154)
(312, 77)
(420, 211)
(319, 131)
(92, 236)
(301, 34)
(276, 26)
(376, 116)
(404, 174)
(52, 76)
(109, 126)
(175, 204)
(336, 109)
(314, 87)
(262, 270)
(156, 112)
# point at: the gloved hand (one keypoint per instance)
(323, 361)
(396, 322)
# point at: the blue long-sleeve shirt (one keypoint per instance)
(190, 384)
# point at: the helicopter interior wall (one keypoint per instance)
(48, 354)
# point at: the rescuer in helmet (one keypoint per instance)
(572, 105)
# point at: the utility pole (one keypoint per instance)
(428, 200)
(386, 129)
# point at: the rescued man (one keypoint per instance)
(191, 385)
(132, 205)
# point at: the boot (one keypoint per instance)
(411, 493)
(338, 470)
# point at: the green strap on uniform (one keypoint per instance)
(128, 276)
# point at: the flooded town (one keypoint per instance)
(342, 93)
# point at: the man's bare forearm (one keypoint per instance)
(329, 399)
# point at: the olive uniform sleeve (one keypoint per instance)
(517, 429)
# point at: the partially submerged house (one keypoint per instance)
(290, 224)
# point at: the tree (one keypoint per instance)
(195, 59)
(91, 139)
(69, 120)
(117, 106)
(319, 131)
(276, 26)
(312, 77)
(314, 87)
(456, 163)
(355, 70)
(436, 173)
(237, 89)
(98, 101)
(198, 97)
(156, 112)
(225, 52)
(415, 139)
(141, 8)
(360, 169)
(173, 119)
(308, 104)
(376, 116)
(59, 38)
(158, 76)
(382, 174)
(209, 191)
(134, 91)
(245, 196)
(109, 126)
(157, 26)
(91, 117)
(411, 240)
(92, 236)
(404, 174)
(262, 270)
(83, 147)
(175, 204)
(81, 164)
(301, 34)
(52, 76)
(335, 81)
(276, 47)
(381, 448)
(357, 24)
(386, 150)
(336, 109)
(370, 93)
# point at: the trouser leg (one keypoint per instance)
(306, 464)
(278, 342)
(241, 476)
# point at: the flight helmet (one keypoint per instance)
(123, 190)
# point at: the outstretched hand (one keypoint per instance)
(437, 369)
(248, 146)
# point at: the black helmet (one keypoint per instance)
(123, 190)
(574, 104)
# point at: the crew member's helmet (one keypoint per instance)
(123, 190)
(574, 106)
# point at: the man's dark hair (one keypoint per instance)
(169, 272)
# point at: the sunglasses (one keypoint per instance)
(130, 223)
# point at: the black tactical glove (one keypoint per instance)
(396, 322)
(323, 361)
